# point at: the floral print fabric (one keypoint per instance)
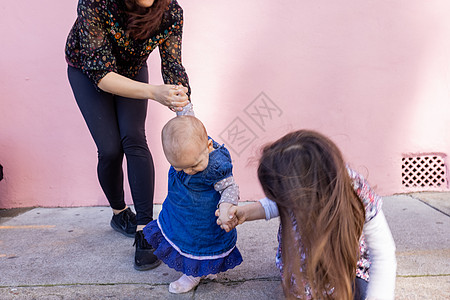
(98, 43)
(372, 203)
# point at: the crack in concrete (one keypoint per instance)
(224, 282)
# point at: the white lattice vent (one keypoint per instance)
(424, 172)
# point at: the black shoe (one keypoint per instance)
(144, 259)
(125, 222)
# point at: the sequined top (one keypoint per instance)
(372, 203)
(98, 43)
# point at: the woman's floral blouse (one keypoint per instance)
(98, 42)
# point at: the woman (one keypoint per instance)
(106, 52)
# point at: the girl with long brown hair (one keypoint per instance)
(332, 228)
(106, 51)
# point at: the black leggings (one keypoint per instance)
(117, 125)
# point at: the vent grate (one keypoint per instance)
(425, 172)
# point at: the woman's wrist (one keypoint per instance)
(169, 95)
(150, 90)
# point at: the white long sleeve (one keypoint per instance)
(270, 208)
(188, 110)
(383, 262)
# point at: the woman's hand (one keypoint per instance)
(172, 96)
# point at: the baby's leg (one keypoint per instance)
(184, 284)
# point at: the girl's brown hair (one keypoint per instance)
(304, 173)
(144, 21)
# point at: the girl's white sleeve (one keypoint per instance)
(270, 208)
(382, 253)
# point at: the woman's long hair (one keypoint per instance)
(304, 173)
(144, 21)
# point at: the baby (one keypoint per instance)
(185, 235)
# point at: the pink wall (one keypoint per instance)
(373, 75)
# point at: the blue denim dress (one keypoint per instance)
(186, 236)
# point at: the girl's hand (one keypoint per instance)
(225, 219)
(172, 96)
(236, 215)
(231, 218)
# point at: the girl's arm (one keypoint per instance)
(382, 252)
(240, 214)
(270, 208)
(262, 209)
(250, 212)
(168, 95)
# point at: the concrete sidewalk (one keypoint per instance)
(72, 253)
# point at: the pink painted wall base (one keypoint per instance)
(373, 76)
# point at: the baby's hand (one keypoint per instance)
(226, 216)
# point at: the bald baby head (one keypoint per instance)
(184, 140)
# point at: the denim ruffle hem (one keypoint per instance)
(189, 266)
